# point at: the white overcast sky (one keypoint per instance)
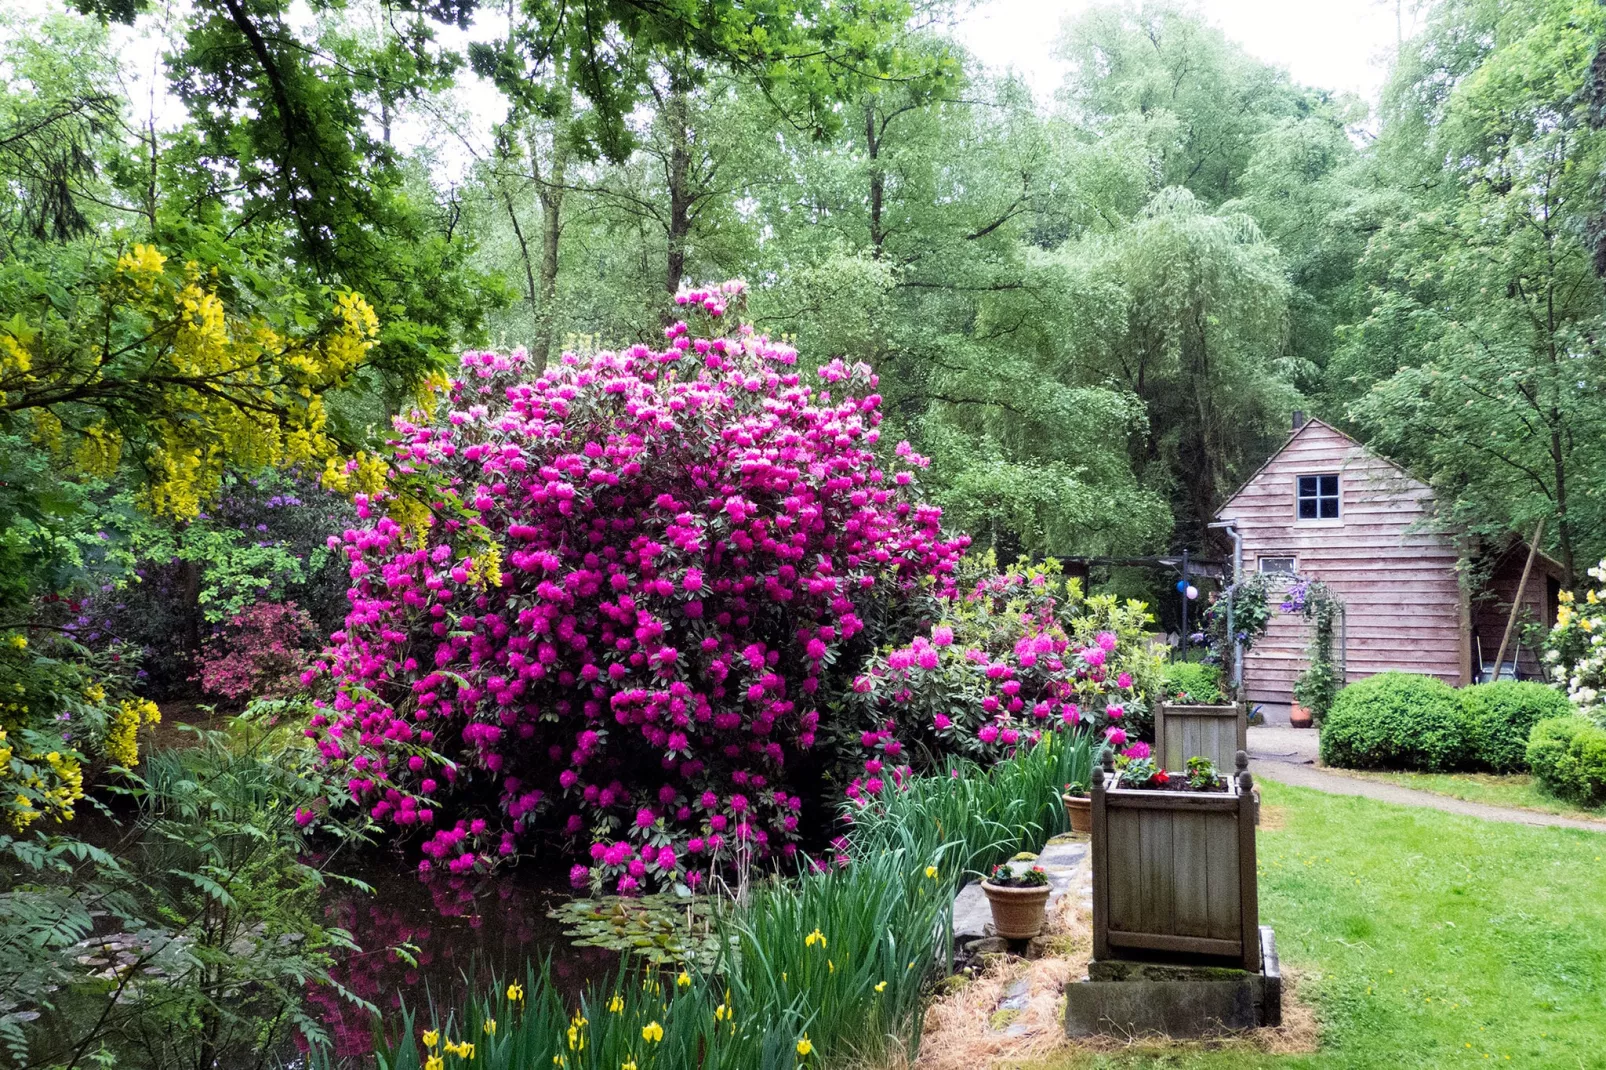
(1342, 45)
(1327, 44)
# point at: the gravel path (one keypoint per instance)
(1288, 756)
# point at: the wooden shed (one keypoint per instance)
(1325, 507)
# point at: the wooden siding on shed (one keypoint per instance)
(1383, 557)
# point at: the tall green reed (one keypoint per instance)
(829, 969)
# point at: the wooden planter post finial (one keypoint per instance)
(1103, 780)
(1249, 891)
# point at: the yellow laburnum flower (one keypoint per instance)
(805, 1046)
(141, 260)
(652, 1032)
(515, 992)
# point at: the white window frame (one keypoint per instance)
(1318, 497)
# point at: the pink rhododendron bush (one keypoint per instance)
(1016, 654)
(637, 579)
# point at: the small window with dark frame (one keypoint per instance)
(1318, 497)
(1278, 566)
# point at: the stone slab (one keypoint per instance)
(973, 917)
(1130, 999)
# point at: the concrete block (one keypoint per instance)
(1127, 999)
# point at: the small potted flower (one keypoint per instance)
(1018, 894)
(1078, 806)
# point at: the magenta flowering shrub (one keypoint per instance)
(636, 577)
(1016, 654)
(259, 652)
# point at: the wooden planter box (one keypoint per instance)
(1216, 732)
(1174, 873)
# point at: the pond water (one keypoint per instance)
(440, 937)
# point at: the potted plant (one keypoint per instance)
(1078, 806)
(1076, 762)
(1018, 894)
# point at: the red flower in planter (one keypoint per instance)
(1162, 777)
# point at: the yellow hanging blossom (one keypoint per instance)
(122, 743)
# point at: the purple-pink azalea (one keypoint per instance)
(604, 598)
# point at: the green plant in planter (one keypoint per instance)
(1202, 773)
(1017, 875)
(1141, 772)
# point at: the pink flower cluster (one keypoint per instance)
(636, 570)
(260, 651)
(1011, 661)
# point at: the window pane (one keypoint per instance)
(1329, 508)
(1329, 486)
(1307, 486)
(1307, 508)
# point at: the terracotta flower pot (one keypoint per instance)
(1079, 809)
(1017, 912)
(1299, 716)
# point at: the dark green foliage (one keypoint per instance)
(1499, 717)
(1194, 683)
(1568, 756)
(1396, 720)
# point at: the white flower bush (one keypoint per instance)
(1576, 649)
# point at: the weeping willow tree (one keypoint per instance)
(1203, 299)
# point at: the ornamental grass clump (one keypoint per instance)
(609, 597)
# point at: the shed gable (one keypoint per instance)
(1384, 556)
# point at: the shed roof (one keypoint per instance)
(1293, 437)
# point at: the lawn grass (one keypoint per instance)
(1424, 939)
(1518, 790)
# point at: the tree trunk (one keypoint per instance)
(878, 182)
(551, 232)
(1564, 525)
(678, 179)
(524, 252)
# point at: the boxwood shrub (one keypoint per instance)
(1396, 720)
(1568, 756)
(1499, 717)
(1193, 683)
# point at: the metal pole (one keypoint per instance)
(1231, 528)
(1184, 593)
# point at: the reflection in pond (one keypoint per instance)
(440, 937)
